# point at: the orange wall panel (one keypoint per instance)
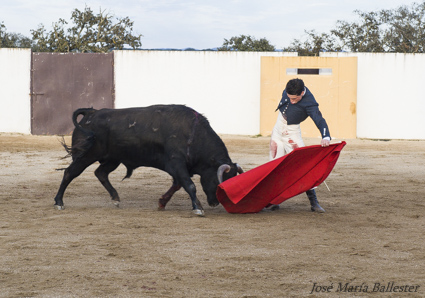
(335, 90)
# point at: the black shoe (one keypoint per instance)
(315, 207)
(274, 207)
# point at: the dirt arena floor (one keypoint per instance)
(370, 241)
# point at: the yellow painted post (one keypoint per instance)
(335, 89)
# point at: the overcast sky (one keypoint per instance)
(199, 24)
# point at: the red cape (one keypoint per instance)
(279, 179)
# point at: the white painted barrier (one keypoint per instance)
(390, 100)
(15, 100)
(223, 86)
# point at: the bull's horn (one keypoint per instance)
(240, 170)
(220, 172)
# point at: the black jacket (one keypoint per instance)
(297, 113)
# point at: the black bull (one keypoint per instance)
(172, 138)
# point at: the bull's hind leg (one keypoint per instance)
(102, 173)
(165, 198)
(74, 170)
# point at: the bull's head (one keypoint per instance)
(213, 179)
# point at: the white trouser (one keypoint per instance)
(285, 138)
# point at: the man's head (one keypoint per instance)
(295, 90)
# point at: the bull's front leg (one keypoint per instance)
(177, 168)
(196, 205)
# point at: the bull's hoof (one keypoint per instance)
(58, 207)
(198, 212)
(116, 204)
(161, 207)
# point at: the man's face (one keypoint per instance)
(295, 98)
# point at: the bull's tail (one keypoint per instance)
(68, 149)
(84, 112)
(80, 145)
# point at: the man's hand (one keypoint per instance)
(325, 142)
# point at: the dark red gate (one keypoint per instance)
(64, 82)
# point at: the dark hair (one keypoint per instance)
(295, 87)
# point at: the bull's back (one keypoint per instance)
(156, 122)
(141, 136)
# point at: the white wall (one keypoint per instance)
(223, 86)
(390, 100)
(15, 75)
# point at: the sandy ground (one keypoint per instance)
(369, 241)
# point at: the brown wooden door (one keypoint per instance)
(64, 82)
